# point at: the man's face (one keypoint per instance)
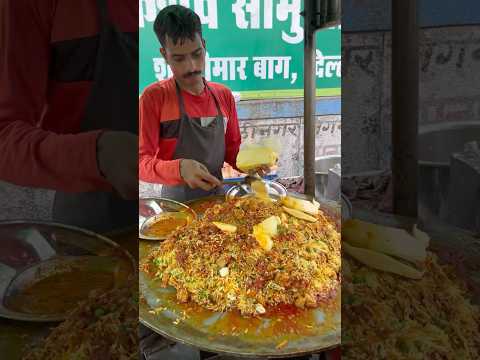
(186, 59)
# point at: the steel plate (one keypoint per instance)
(17, 337)
(317, 330)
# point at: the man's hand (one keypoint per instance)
(262, 170)
(117, 157)
(196, 175)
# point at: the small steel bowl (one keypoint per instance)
(34, 250)
(151, 209)
(275, 190)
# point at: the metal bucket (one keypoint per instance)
(436, 145)
(323, 165)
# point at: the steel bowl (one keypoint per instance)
(34, 250)
(150, 209)
(275, 190)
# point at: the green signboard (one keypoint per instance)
(255, 47)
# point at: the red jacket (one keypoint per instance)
(159, 104)
(41, 113)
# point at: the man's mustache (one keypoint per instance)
(193, 73)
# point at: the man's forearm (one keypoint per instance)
(33, 157)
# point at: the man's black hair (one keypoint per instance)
(178, 23)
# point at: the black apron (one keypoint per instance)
(112, 105)
(200, 139)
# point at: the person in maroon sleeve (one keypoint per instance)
(68, 106)
(188, 126)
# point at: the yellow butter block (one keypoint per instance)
(264, 231)
(382, 262)
(302, 205)
(299, 214)
(225, 227)
(384, 239)
(255, 157)
(264, 240)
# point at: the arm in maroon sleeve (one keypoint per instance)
(151, 167)
(232, 135)
(31, 156)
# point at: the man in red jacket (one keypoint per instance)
(188, 126)
(68, 109)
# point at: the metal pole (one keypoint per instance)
(405, 90)
(309, 101)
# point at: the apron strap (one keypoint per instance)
(181, 104)
(217, 104)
